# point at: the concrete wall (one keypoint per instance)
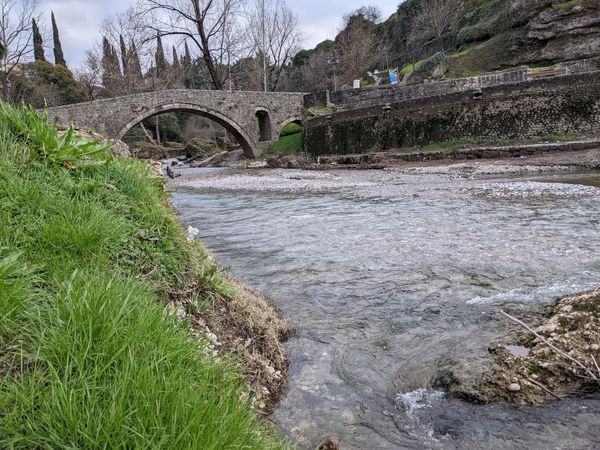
(509, 111)
(236, 111)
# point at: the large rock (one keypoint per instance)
(498, 34)
(199, 148)
(117, 147)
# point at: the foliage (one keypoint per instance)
(59, 58)
(44, 84)
(451, 146)
(291, 128)
(169, 125)
(362, 15)
(426, 68)
(484, 22)
(46, 144)
(88, 357)
(569, 5)
(552, 138)
(290, 141)
(38, 42)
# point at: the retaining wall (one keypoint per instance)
(516, 110)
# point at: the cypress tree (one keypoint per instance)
(59, 58)
(111, 71)
(176, 65)
(161, 62)
(124, 56)
(114, 56)
(106, 63)
(187, 58)
(189, 76)
(135, 67)
(38, 43)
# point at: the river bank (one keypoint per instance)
(461, 164)
(118, 330)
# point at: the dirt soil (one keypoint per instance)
(244, 327)
(527, 370)
(239, 324)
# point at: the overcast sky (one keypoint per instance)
(79, 20)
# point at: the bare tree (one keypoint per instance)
(128, 33)
(274, 30)
(316, 73)
(207, 24)
(90, 77)
(358, 48)
(368, 13)
(16, 37)
(434, 19)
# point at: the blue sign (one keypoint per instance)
(393, 76)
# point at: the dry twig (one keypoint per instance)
(544, 388)
(578, 363)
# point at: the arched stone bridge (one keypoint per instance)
(254, 118)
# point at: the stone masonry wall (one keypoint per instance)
(365, 97)
(567, 104)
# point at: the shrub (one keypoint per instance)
(46, 144)
(44, 84)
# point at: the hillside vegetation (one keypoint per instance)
(90, 357)
(435, 39)
(486, 35)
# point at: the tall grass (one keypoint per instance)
(88, 356)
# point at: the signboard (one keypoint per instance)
(393, 76)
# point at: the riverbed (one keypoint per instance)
(392, 277)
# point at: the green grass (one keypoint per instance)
(291, 128)
(88, 356)
(451, 146)
(290, 141)
(552, 138)
(568, 5)
(412, 67)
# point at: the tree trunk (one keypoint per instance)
(206, 55)
(157, 130)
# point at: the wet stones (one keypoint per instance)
(557, 363)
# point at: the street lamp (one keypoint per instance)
(333, 61)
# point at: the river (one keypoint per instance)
(390, 277)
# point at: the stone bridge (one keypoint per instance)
(254, 118)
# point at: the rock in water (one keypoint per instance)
(331, 443)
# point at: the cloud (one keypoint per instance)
(79, 23)
(79, 20)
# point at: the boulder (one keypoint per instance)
(199, 148)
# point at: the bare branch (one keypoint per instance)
(565, 355)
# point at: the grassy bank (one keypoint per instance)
(92, 260)
(290, 141)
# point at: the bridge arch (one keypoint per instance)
(245, 140)
(293, 119)
(263, 117)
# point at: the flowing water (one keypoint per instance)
(390, 277)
